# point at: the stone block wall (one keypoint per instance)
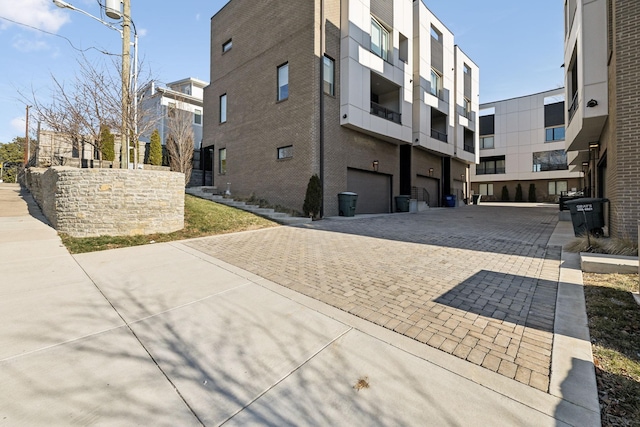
(112, 202)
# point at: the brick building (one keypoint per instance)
(522, 141)
(602, 86)
(371, 95)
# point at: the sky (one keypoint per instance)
(517, 45)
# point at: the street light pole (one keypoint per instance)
(112, 11)
(126, 72)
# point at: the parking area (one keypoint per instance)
(478, 282)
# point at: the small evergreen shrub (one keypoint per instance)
(519, 197)
(313, 197)
(155, 149)
(532, 193)
(505, 194)
(107, 140)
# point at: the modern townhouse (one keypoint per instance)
(522, 141)
(372, 96)
(602, 87)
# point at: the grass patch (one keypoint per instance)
(614, 325)
(201, 218)
(603, 245)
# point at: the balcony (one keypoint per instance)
(439, 135)
(385, 113)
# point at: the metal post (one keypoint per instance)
(126, 70)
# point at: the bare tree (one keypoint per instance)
(91, 101)
(180, 139)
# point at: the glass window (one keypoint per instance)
(435, 82)
(491, 165)
(223, 108)
(555, 160)
(435, 34)
(222, 161)
(226, 46)
(379, 39)
(283, 82)
(554, 134)
(486, 189)
(197, 117)
(557, 187)
(285, 152)
(171, 110)
(329, 76)
(486, 142)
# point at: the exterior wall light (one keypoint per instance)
(592, 103)
(430, 171)
(374, 165)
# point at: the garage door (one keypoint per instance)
(432, 186)
(373, 189)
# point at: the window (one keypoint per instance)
(554, 134)
(379, 40)
(222, 161)
(226, 46)
(555, 160)
(171, 109)
(403, 54)
(436, 82)
(329, 76)
(491, 165)
(283, 82)
(436, 34)
(197, 117)
(285, 152)
(223, 108)
(557, 187)
(486, 142)
(486, 189)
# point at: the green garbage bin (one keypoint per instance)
(402, 203)
(347, 203)
(587, 215)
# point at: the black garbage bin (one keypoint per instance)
(476, 199)
(402, 203)
(347, 203)
(450, 200)
(587, 215)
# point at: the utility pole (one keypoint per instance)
(27, 151)
(126, 78)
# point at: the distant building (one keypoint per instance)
(185, 94)
(378, 100)
(601, 58)
(522, 141)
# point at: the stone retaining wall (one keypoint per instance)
(112, 202)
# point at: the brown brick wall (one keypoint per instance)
(624, 155)
(257, 125)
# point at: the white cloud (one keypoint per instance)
(18, 124)
(142, 32)
(197, 17)
(27, 45)
(41, 14)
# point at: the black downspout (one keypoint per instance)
(321, 130)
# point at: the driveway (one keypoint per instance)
(478, 282)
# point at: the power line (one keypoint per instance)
(58, 35)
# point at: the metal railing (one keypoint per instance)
(439, 135)
(574, 106)
(421, 194)
(470, 148)
(385, 113)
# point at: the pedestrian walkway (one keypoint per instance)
(167, 334)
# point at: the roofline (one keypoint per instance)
(523, 96)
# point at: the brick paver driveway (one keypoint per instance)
(478, 282)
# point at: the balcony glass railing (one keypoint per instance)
(469, 148)
(574, 106)
(438, 135)
(385, 113)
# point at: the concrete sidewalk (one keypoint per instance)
(166, 335)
